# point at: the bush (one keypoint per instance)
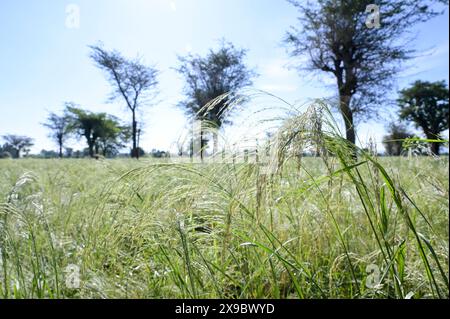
(4, 155)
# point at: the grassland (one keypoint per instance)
(151, 229)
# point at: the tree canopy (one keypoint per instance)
(207, 78)
(17, 144)
(394, 141)
(340, 38)
(59, 129)
(103, 133)
(131, 81)
(211, 83)
(426, 104)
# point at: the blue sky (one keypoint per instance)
(43, 63)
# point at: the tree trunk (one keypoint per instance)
(435, 147)
(201, 143)
(60, 144)
(134, 151)
(90, 141)
(91, 150)
(347, 114)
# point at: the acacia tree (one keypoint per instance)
(84, 124)
(103, 132)
(112, 136)
(393, 142)
(131, 80)
(221, 74)
(59, 127)
(7, 151)
(427, 105)
(339, 38)
(18, 143)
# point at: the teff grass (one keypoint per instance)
(136, 236)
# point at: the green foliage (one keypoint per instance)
(103, 132)
(426, 104)
(131, 80)
(140, 151)
(211, 83)
(215, 77)
(15, 144)
(59, 129)
(393, 142)
(7, 150)
(335, 39)
(5, 154)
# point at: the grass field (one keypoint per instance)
(151, 229)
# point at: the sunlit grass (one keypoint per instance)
(160, 230)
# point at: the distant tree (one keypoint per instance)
(340, 38)
(86, 152)
(78, 154)
(141, 151)
(103, 132)
(393, 142)
(159, 154)
(131, 80)
(112, 137)
(218, 73)
(5, 154)
(7, 151)
(69, 152)
(84, 124)
(48, 154)
(59, 127)
(426, 104)
(18, 144)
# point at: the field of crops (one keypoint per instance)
(153, 229)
